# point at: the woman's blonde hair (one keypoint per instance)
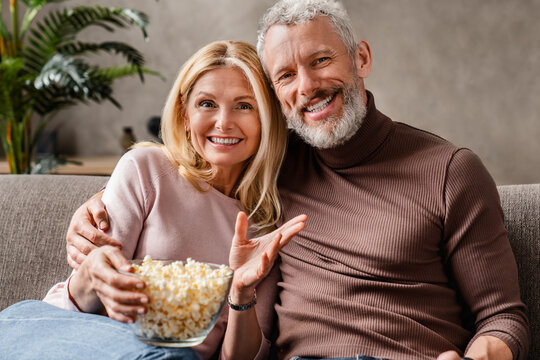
(257, 189)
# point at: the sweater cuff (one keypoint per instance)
(509, 330)
(58, 296)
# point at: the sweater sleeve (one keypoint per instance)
(479, 256)
(266, 299)
(265, 310)
(58, 296)
(125, 199)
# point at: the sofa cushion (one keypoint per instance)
(35, 211)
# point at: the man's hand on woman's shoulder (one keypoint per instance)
(85, 232)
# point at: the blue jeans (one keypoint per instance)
(357, 357)
(33, 329)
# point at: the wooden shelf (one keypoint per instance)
(92, 165)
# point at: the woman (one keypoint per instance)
(224, 142)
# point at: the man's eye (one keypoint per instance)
(285, 76)
(321, 60)
(206, 104)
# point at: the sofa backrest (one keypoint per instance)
(521, 205)
(35, 211)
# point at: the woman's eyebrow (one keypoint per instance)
(204, 93)
(243, 97)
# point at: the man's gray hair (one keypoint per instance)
(295, 12)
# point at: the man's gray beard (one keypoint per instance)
(341, 128)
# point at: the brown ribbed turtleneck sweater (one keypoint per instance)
(404, 254)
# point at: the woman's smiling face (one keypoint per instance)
(222, 116)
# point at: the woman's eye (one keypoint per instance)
(245, 106)
(206, 104)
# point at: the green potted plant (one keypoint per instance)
(45, 68)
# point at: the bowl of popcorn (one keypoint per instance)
(186, 299)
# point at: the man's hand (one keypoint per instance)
(483, 348)
(449, 355)
(83, 234)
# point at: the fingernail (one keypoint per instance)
(144, 300)
(141, 311)
(140, 285)
(102, 224)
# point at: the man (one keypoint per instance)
(405, 255)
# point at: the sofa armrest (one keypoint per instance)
(35, 211)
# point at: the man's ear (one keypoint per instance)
(362, 57)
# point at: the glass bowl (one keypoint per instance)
(186, 299)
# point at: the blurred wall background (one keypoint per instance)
(468, 71)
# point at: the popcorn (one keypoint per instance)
(185, 299)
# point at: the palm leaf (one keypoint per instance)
(132, 55)
(57, 32)
(138, 18)
(81, 17)
(41, 44)
(65, 79)
(3, 30)
(51, 98)
(64, 71)
(116, 72)
(11, 84)
(39, 3)
(32, 9)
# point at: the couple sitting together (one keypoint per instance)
(399, 248)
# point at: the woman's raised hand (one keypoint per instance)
(98, 284)
(253, 259)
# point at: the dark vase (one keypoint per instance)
(128, 138)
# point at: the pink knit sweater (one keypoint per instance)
(154, 211)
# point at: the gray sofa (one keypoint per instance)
(35, 211)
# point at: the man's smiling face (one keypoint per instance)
(316, 80)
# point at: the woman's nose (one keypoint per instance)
(224, 120)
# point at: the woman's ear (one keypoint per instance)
(362, 57)
(183, 114)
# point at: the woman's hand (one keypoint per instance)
(98, 284)
(253, 259)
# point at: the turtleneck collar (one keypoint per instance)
(373, 132)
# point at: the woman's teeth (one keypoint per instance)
(320, 105)
(225, 141)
